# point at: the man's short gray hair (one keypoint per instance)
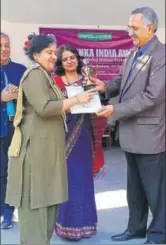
(149, 16)
(5, 35)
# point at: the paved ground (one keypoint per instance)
(111, 205)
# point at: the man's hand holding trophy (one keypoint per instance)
(92, 82)
(94, 104)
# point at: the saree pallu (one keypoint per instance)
(77, 217)
(98, 128)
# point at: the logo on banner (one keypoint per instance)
(92, 36)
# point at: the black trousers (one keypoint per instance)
(146, 189)
(5, 210)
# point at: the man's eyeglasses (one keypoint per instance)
(132, 29)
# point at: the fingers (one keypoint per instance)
(90, 90)
(93, 79)
(101, 114)
(7, 96)
(14, 95)
(90, 96)
(105, 111)
(12, 88)
(96, 80)
(89, 93)
(100, 85)
(94, 90)
(101, 109)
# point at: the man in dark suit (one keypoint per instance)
(11, 73)
(141, 115)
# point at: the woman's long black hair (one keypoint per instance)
(59, 67)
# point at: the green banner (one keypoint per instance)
(94, 36)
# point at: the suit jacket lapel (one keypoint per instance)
(139, 66)
(128, 65)
(127, 68)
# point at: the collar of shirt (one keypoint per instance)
(5, 66)
(143, 49)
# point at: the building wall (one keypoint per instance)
(77, 12)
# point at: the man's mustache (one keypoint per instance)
(4, 53)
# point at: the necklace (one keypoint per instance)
(73, 82)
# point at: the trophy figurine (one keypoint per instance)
(87, 72)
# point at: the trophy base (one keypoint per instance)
(88, 87)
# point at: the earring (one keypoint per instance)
(35, 58)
